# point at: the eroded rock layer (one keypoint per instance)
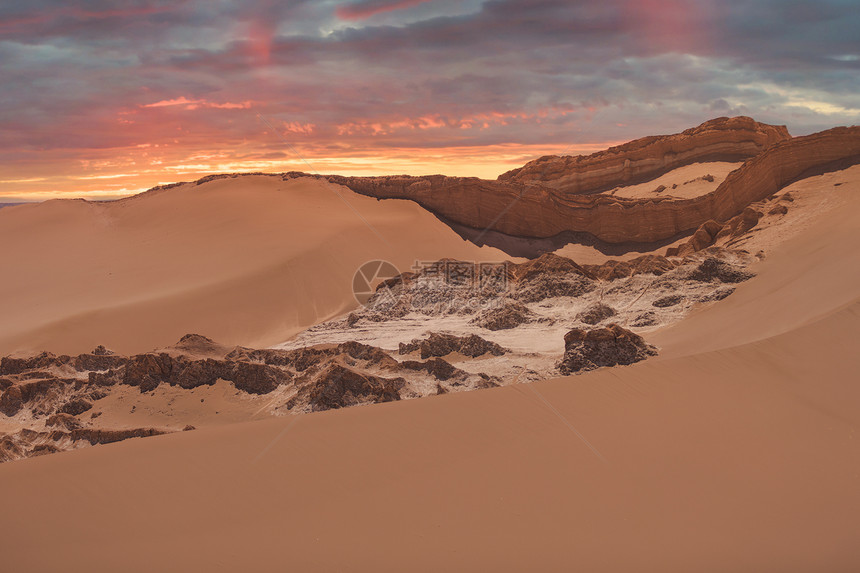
(721, 139)
(523, 205)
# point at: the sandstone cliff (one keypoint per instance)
(721, 139)
(519, 206)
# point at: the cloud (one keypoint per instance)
(196, 103)
(144, 84)
(364, 9)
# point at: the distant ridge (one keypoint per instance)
(555, 196)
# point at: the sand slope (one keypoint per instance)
(244, 261)
(812, 271)
(742, 458)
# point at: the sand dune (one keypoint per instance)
(248, 261)
(739, 457)
(813, 269)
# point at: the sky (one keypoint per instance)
(106, 98)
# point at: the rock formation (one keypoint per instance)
(609, 346)
(596, 313)
(53, 397)
(722, 139)
(551, 196)
(437, 345)
(508, 314)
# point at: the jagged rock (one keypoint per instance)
(43, 449)
(108, 378)
(96, 394)
(100, 359)
(509, 314)
(669, 300)
(443, 344)
(546, 264)
(439, 368)
(373, 355)
(196, 373)
(550, 276)
(711, 232)
(608, 346)
(188, 428)
(257, 378)
(542, 288)
(9, 449)
(11, 401)
(740, 224)
(198, 346)
(304, 358)
(718, 294)
(75, 407)
(339, 387)
(597, 312)
(715, 270)
(42, 396)
(43, 360)
(645, 319)
(646, 264)
(63, 421)
(778, 210)
(101, 436)
(147, 371)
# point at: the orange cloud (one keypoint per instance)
(195, 103)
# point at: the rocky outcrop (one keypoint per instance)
(53, 412)
(439, 368)
(721, 139)
(340, 387)
(596, 313)
(101, 436)
(713, 269)
(509, 314)
(523, 204)
(549, 276)
(646, 264)
(443, 344)
(610, 346)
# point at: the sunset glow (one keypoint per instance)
(110, 98)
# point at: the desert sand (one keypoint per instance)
(245, 264)
(711, 424)
(734, 449)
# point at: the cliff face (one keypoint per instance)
(520, 205)
(722, 139)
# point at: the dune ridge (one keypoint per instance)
(749, 445)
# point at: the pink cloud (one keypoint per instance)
(369, 8)
(300, 128)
